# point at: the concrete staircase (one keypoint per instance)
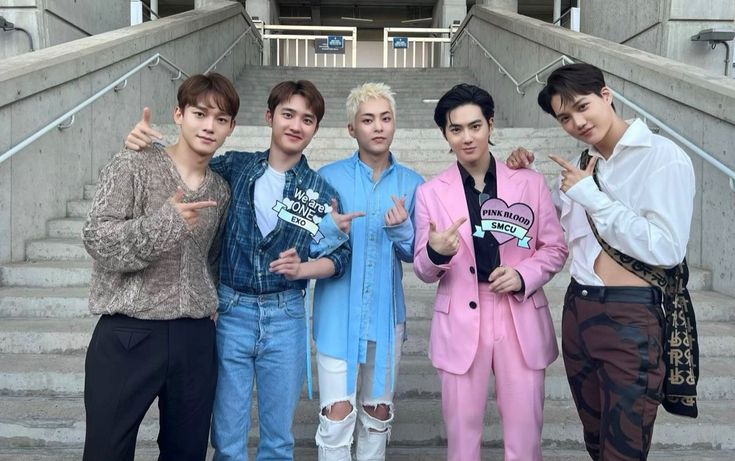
(45, 325)
(411, 86)
(45, 330)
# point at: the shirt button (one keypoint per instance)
(585, 292)
(472, 270)
(473, 305)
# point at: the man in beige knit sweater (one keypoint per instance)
(151, 231)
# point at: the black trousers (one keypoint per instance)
(612, 340)
(129, 363)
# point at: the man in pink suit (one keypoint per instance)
(491, 237)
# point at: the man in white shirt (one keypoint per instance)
(640, 201)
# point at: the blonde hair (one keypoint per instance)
(366, 92)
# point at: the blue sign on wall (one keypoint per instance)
(400, 42)
(321, 46)
(335, 41)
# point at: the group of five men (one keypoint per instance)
(175, 232)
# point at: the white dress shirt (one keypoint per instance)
(643, 206)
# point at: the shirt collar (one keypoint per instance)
(637, 135)
(300, 170)
(467, 177)
(369, 171)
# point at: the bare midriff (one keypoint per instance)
(613, 274)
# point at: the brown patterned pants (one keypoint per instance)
(612, 348)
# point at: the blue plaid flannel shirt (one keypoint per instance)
(245, 253)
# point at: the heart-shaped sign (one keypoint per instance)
(505, 222)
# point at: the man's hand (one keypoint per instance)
(189, 211)
(288, 264)
(142, 135)
(397, 213)
(344, 221)
(504, 280)
(519, 158)
(446, 242)
(570, 174)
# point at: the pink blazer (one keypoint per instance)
(455, 326)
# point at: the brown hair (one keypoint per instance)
(283, 91)
(199, 88)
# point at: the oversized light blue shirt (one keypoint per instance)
(367, 302)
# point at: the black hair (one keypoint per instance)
(462, 94)
(570, 81)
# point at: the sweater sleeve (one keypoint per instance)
(116, 239)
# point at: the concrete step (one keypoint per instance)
(59, 274)
(59, 422)
(146, 452)
(63, 375)
(46, 274)
(68, 336)
(89, 190)
(65, 228)
(54, 249)
(78, 208)
(24, 302)
(43, 336)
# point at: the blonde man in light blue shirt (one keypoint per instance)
(359, 318)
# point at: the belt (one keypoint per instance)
(601, 294)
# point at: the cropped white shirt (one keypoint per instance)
(643, 206)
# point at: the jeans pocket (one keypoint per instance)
(295, 310)
(224, 305)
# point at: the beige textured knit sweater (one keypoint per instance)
(147, 263)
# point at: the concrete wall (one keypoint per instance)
(662, 27)
(51, 22)
(694, 102)
(36, 88)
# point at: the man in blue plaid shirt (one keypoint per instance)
(280, 216)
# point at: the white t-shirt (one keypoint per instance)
(644, 208)
(268, 190)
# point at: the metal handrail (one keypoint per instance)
(229, 50)
(150, 10)
(561, 16)
(116, 86)
(70, 115)
(647, 116)
(502, 69)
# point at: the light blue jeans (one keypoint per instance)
(260, 338)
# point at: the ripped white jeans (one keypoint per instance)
(334, 438)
